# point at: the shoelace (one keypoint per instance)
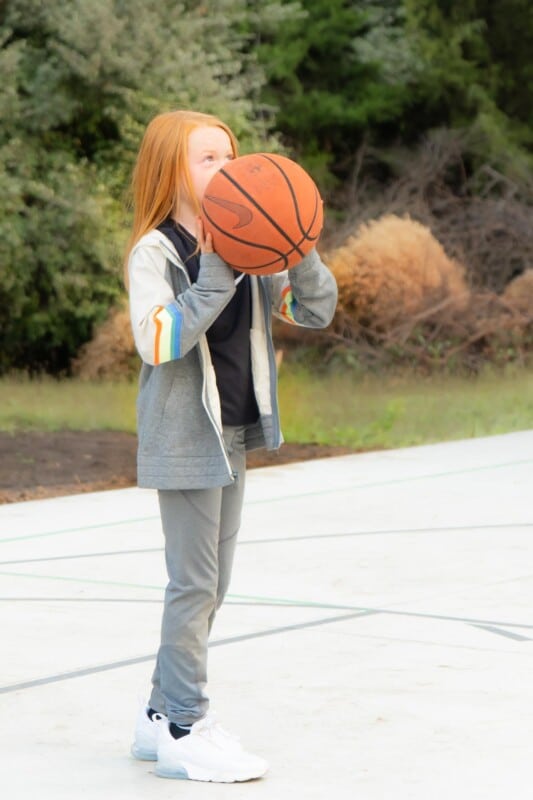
(212, 727)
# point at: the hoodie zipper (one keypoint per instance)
(276, 429)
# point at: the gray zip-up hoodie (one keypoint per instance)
(178, 406)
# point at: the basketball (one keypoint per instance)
(264, 213)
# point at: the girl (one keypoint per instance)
(207, 394)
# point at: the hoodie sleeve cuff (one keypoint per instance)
(214, 272)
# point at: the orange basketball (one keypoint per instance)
(264, 213)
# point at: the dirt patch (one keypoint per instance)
(37, 465)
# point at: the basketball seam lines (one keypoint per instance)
(305, 233)
(261, 209)
(279, 253)
(239, 239)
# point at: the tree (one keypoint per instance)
(476, 72)
(78, 83)
(328, 88)
(386, 72)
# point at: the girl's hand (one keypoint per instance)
(205, 241)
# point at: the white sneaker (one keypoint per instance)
(207, 753)
(146, 734)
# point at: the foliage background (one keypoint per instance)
(419, 106)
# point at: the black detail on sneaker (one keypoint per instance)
(176, 731)
(152, 713)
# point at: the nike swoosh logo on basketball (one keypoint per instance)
(243, 213)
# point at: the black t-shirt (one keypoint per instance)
(228, 337)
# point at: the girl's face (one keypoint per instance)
(209, 149)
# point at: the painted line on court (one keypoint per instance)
(299, 496)
(123, 584)
(449, 618)
(280, 602)
(271, 600)
(80, 600)
(141, 659)
(82, 555)
(393, 482)
(400, 531)
(501, 632)
(278, 539)
(256, 635)
(493, 627)
(78, 529)
(389, 611)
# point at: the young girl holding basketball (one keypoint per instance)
(207, 394)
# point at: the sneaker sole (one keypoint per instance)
(193, 773)
(143, 754)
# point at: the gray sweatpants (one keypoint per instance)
(200, 528)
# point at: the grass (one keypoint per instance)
(386, 412)
(340, 409)
(45, 404)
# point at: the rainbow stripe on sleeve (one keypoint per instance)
(167, 345)
(288, 305)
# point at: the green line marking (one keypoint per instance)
(302, 495)
(393, 481)
(81, 528)
(505, 526)
(81, 580)
(282, 601)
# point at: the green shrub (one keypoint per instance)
(78, 83)
(59, 270)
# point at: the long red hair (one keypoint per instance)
(161, 175)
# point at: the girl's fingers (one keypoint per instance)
(208, 244)
(205, 241)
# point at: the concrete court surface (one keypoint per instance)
(377, 641)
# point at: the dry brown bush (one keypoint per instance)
(111, 352)
(393, 269)
(481, 217)
(402, 301)
(486, 328)
(519, 293)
